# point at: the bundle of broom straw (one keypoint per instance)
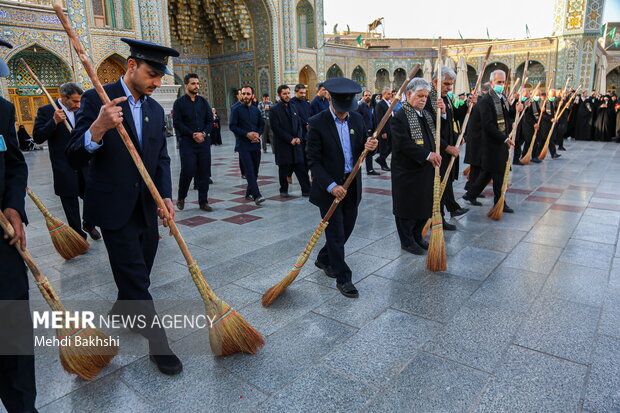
(84, 360)
(561, 108)
(498, 209)
(436, 259)
(274, 292)
(230, 332)
(67, 242)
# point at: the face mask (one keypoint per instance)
(498, 88)
(551, 99)
(536, 98)
(523, 99)
(450, 95)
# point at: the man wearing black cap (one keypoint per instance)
(17, 382)
(336, 139)
(117, 200)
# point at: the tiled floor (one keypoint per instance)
(525, 319)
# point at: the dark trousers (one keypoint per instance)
(448, 199)
(519, 145)
(284, 171)
(71, 206)
(481, 182)
(267, 137)
(337, 233)
(368, 160)
(195, 163)
(131, 251)
(241, 167)
(409, 230)
(474, 173)
(385, 149)
(251, 161)
(17, 376)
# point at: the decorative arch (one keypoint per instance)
(359, 76)
(308, 77)
(613, 79)
(111, 68)
(535, 73)
(382, 80)
(400, 75)
(491, 67)
(306, 31)
(334, 71)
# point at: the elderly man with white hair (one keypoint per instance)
(497, 117)
(444, 87)
(413, 163)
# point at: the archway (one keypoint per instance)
(535, 73)
(359, 76)
(334, 71)
(382, 80)
(613, 80)
(491, 68)
(24, 91)
(472, 76)
(399, 77)
(111, 69)
(305, 25)
(307, 76)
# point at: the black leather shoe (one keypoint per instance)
(556, 156)
(517, 162)
(373, 172)
(385, 168)
(481, 196)
(459, 212)
(422, 243)
(348, 290)
(259, 200)
(413, 249)
(242, 176)
(448, 227)
(181, 204)
(508, 210)
(536, 160)
(167, 363)
(561, 148)
(94, 234)
(206, 207)
(249, 198)
(327, 269)
(285, 195)
(472, 201)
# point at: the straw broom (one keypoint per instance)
(436, 259)
(84, 360)
(558, 115)
(527, 158)
(498, 209)
(274, 292)
(67, 242)
(460, 140)
(229, 333)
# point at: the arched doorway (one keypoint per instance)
(334, 71)
(24, 91)
(535, 73)
(111, 69)
(382, 80)
(307, 76)
(613, 80)
(305, 25)
(399, 77)
(359, 76)
(491, 68)
(472, 76)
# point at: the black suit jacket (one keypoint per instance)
(495, 150)
(380, 109)
(115, 186)
(473, 137)
(286, 126)
(66, 180)
(13, 168)
(368, 117)
(326, 158)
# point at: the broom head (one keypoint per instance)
(274, 292)
(436, 258)
(67, 242)
(427, 226)
(85, 360)
(527, 158)
(543, 153)
(230, 333)
(466, 172)
(498, 209)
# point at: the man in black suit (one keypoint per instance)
(473, 149)
(336, 139)
(320, 101)
(366, 109)
(117, 200)
(193, 123)
(302, 106)
(287, 131)
(17, 381)
(496, 120)
(69, 183)
(385, 143)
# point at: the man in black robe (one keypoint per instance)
(473, 149)
(583, 126)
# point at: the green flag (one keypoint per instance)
(527, 31)
(617, 44)
(359, 40)
(603, 31)
(612, 34)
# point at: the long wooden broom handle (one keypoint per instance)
(49, 97)
(561, 109)
(79, 49)
(438, 112)
(365, 152)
